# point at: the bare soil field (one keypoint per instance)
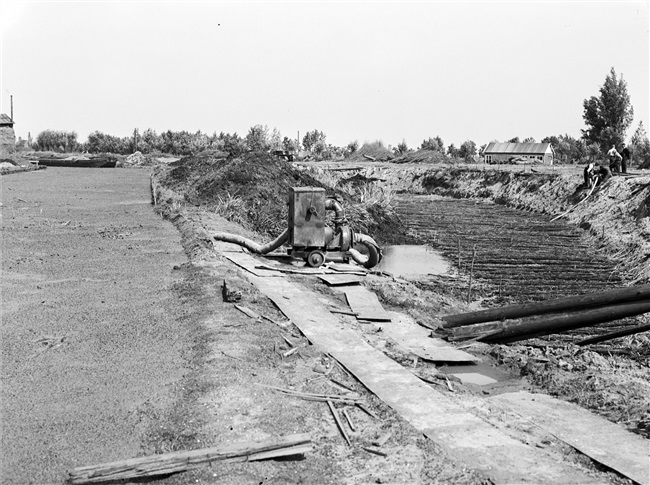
(200, 368)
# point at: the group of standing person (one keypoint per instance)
(595, 174)
(618, 161)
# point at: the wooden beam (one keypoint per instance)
(166, 463)
(613, 335)
(547, 325)
(590, 300)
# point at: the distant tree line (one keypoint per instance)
(607, 118)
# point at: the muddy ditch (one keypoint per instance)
(502, 221)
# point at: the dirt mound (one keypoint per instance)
(375, 151)
(252, 190)
(422, 156)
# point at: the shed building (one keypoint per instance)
(7, 135)
(519, 152)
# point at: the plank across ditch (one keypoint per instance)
(469, 439)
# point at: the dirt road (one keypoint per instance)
(91, 340)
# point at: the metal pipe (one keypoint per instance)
(335, 205)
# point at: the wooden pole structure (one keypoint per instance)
(546, 325)
(591, 300)
(175, 462)
(613, 335)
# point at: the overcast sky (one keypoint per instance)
(364, 70)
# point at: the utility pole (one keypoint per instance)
(11, 98)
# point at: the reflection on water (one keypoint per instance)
(412, 260)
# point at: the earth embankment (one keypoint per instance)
(615, 215)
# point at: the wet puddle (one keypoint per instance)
(484, 373)
(412, 260)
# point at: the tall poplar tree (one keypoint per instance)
(609, 115)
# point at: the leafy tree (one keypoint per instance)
(514, 140)
(257, 138)
(530, 139)
(352, 147)
(436, 144)
(467, 150)
(233, 144)
(567, 149)
(99, 142)
(199, 142)
(150, 142)
(63, 141)
(401, 148)
(640, 146)
(314, 141)
(452, 151)
(609, 115)
(290, 145)
(275, 140)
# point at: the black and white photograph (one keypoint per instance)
(338, 242)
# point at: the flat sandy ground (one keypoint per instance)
(89, 328)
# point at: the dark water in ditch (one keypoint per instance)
(518, 256)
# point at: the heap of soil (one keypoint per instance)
(253, 190)
(372, 151)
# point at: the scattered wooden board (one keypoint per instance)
(601, 440)
(341, 279)
(365, 304)
(254, 315)
(417, 339)
(175, 462)
(249, 263)
(467, 438)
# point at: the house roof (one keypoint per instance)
(5, 120)
(517, 148)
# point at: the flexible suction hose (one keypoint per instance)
(374, 253)
(252, 246)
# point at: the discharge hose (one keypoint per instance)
(251, 245)
(373, 257)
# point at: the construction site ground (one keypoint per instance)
(117, 342)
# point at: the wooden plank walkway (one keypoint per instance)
(417, 339)
(467, 438)
(601, 440)
(365, 304)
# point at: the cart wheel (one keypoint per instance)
(315, 259)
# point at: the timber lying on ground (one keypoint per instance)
(549, 324)
(590, 300)
(588, 310)
(167, 463)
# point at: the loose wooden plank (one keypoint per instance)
(601, 440)
(417, 339)
(365, 304)
(247, 311)
(341, 279)
(249, 263)
(466, 437)
(183, 460)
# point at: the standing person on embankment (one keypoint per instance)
(626, 156)
(614, 160)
